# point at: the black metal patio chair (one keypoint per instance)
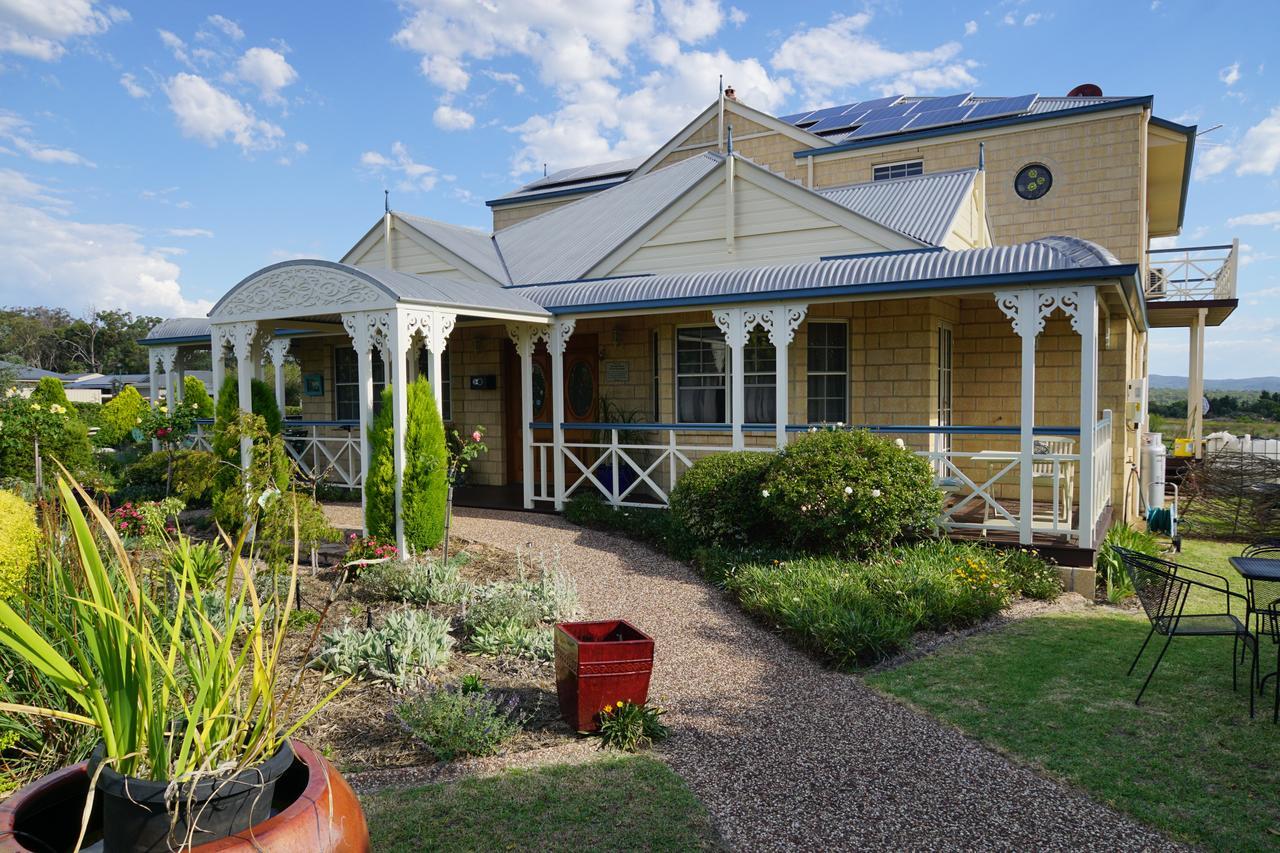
(1264, 609)
(1162, 588)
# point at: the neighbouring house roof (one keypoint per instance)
(473, 246)
(923, 206)
(565, 243)
(23, 373)
(177, 330)
(1062, 258)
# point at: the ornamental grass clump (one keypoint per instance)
(171, 696)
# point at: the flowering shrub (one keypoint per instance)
(719, 500)
(59, 431)
(462, 450)
(368, 548)
(151, 522)
(848, 492)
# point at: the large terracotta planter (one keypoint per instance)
(598, 664)
(314, 810)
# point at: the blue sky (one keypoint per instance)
(152, 154)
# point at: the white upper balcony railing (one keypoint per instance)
(1193, 273)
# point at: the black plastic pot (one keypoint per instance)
(138, 818)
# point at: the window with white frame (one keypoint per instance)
(446, 380)
(945, 356)
(887, 171)
(346, 383)
(828, 372)
(759, 379)
(702, 374)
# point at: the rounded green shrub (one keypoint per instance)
(18, 537)
(62, 436)
(425, 471)
(120, 415)
(49, 390)
(718, 500)
(194, 393)
(848, 492)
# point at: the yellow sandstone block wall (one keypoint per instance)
(480, 351)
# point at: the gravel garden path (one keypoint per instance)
(787, 754)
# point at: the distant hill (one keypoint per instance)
(1253, 383)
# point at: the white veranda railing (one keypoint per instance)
(1193, 273)
(324, 451)
(636, 465)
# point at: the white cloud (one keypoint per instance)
(448, 117)
(188, 232)
(228, 27)
(39, 29)
(737, 17)
(413, 176)
(1231, 74)
(1270, 217)
(692, 20)
(49, 255)
(17, 132)
(210, 115)
(176, 46)
(133, 87)
(1032, 19)
(970, 27)
(1257, 153)
(268, 70)
(510, 79)
(840, 56)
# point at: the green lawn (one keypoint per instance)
(615, 803)
(1052, 691)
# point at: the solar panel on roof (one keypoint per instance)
(1002, 107)
(840, 122)
(877, 103)
(819, 115)
(884, 125)
(885, 112)
(795, 118)
(945, 102)
(936, 118)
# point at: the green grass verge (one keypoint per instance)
(1052, 690)
(615, 803)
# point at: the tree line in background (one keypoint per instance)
(101, 341)
(1264, 405)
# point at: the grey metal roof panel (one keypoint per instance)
(579, 174)
(473, 246)
(453, 293)
(921, 206)
(23, 373)
(567, 242)
(923, 267)
(178, 327)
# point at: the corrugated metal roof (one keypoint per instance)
(927, 266)
(23, 373)
(1053, 105)
(473, 246)
(565, 243)
(460, 295)
(577, 177)
(922, 206)
(178, 327)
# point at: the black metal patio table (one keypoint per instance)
(1256, 570)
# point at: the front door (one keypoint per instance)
(581, 400)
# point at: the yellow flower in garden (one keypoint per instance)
(56, 409)
(36, 407)
(608, 709)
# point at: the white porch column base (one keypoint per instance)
(781, 323)
(561, 331)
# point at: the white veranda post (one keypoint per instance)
(367, 329)
(781, 322)
(1085, 322)
(525, 337)
(561, 331)
(736, 325)
(394, 362)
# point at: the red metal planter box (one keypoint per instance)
(597, 664)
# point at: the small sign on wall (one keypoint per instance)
(313, 384)
(617, 372)
(485, 382)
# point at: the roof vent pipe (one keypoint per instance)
(982, 156)
(1086, 90)
(729, 93)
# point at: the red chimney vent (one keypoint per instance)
(1086, 90)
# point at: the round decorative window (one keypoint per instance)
(539, 388)
(582, 389)
(1033, 181)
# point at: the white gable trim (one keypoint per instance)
(803, 137)
(374, 235)
(768, 181)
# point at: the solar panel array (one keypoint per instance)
(896, 114)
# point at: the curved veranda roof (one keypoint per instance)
(1050, 258)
